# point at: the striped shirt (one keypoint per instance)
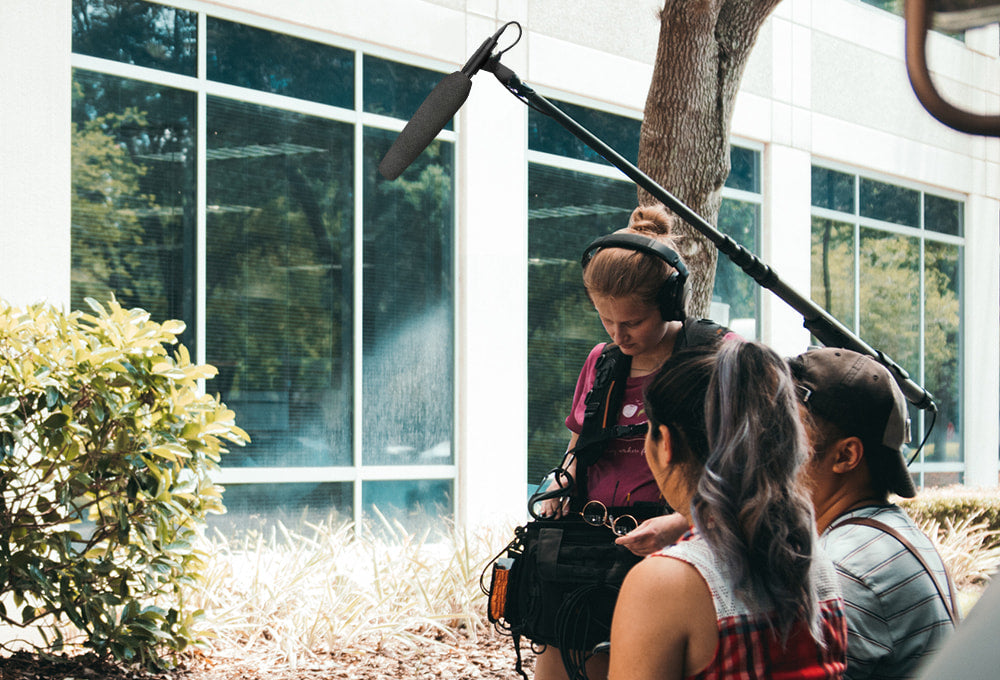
(749, 647)
(895, 616)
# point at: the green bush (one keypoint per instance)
(107, 447)
(955, 503)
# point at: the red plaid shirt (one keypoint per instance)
(749, 649)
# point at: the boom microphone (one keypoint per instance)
(441, 104)
(437, 109)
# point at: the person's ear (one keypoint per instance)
(662, 446)
(847, 454)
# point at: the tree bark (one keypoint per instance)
(684, 140)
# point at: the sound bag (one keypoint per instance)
(556, 584)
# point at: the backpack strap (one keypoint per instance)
(611, 371)
(602, 403)
(948, 602)
(604, 400)
(696, 332)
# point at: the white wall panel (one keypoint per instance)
(35, 152)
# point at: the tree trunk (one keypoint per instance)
(684, 141)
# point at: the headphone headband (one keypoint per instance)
(638, 242)
(673, 296)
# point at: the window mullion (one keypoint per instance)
(358, 316)
(201, 198)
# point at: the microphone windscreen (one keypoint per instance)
(434, 113)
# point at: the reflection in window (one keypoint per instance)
(833, 268)
(408, 319)
(254, 506)
(279, 276)
(897, 7)
(280, 224)
(133, 211)
(396, 89)
(894, 6)
(943, 215)
(740, 294)
(274, 62)
(889, 203)
(832, 190)
(566, 211)
(417, 504)
(744, 172)
(889, 269)
(619, 132)
(942, 300)
(157, 36)
(904, 299)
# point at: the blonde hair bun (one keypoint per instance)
(651, 219)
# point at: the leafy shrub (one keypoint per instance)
(107, 448)
(955, 503)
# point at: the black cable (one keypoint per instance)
(926, 436)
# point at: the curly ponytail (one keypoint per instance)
(741, 447)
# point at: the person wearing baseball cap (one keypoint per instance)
(898, 596)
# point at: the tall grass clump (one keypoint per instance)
(291, 594)
(969, 547)
(964, 525)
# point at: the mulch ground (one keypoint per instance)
(490, 657)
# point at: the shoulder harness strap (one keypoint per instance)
(949, 602)
(700, 332)
(604, 400)
(602, 403)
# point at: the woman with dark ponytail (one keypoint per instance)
(744, 594)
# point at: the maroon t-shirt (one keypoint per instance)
(621, 475)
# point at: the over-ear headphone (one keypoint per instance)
(672, 297)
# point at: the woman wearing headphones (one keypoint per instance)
(636, 282)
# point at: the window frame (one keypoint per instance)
(918, 429)
(357, 473)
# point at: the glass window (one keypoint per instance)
(396, 89)
(744, 172)
(416, 504)
(255, 506)
(903, 297)
(889, 269)
(943, 215)
(740, 220)
(286, 305)
(133, 211)
(408, 322)
(548, 135)
(278, 63)
(279, 278)
(889, 203)
(943, 340)
(566, 211)
(832, 190)
(832, 268)
(897, 7)
(139, 33)
(894, 6)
